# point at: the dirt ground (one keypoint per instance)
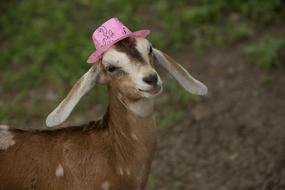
(235, 138)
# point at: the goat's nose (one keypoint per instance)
(151, 79)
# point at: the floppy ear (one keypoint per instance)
(81, 87)
(180, 74)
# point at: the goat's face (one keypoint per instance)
(128, 67)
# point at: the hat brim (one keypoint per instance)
(96, 55)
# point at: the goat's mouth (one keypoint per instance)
(153, 91)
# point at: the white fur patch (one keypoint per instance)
(134, 136)
(143, 47)
(121, 171)
(143, 107)
(105, 185)
(128, 172)
(120, 59)
(6, 138)
(114, 57)
(59, 172)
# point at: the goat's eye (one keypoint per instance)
(150, 50)
(111, 68)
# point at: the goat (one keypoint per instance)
(114, 153)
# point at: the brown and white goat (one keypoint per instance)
(114, 153)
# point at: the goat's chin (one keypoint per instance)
(151, 93)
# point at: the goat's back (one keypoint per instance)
(89, 157)
(44, 159)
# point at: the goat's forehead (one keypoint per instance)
(112, 56)
(127, 50)
(142, 45)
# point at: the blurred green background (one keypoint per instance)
(45, 44)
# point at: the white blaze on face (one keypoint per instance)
(116, 58)
(143, 46)
(136, 71)
(6, 138)
(121, 60)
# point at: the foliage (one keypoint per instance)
(152, 180)
(267, 53)
(44, 44)
(179, 94)
(169, 118)
(220, 22)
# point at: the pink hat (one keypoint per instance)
(110, 33)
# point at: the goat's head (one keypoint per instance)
(128, 68)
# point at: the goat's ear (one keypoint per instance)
(180, 74)
(81, 87)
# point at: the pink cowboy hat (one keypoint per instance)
(110, 33)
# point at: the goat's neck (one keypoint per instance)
(129, 140)
(123, 112)
(129, 120)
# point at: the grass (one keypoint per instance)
(152, 180)
(180, 95)
(169, 118)
(45, 44)
(175, 184)
(267, 53)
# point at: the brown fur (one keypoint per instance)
(99, 152)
